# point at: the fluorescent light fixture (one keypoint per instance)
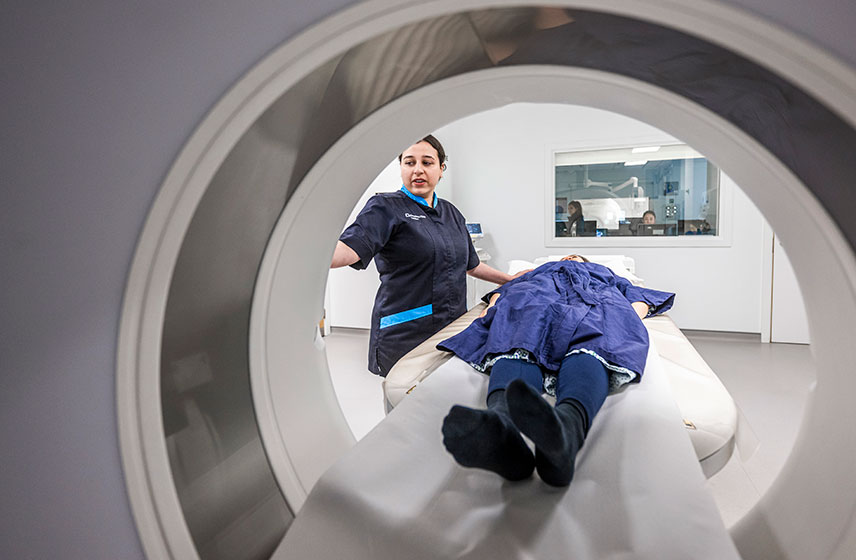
(645, 150)
(636, 162)
(676, 151)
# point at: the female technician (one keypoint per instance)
(423, 253)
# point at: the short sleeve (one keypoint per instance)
(370, 231)
(473, 257)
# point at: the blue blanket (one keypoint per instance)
(561, 307)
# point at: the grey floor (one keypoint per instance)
(769, 383)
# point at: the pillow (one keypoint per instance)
(618, 264)
(620, 269)
(515, 266)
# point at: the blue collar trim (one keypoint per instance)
(419, 199)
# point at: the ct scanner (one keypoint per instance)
(226, 413)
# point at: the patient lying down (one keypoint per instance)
(571, 328)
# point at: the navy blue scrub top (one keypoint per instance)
(423, 255)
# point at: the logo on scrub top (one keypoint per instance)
(415, 216)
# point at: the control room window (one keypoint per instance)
(641, 192)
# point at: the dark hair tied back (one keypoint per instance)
(434, 143)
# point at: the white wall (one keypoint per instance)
(500, 160)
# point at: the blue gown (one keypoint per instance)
(559, 308)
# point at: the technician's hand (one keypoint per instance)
(521, 273)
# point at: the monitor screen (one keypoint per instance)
(694, 227)
(474, 228)
(653, 229)
(634, 222)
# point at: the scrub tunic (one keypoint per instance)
(422, 255)
(562, 308)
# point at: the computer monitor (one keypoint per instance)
(475, 229)
(653, 229)
(693, 227)
(589, 227)
(634, 223)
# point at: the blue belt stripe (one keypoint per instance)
(405, 316)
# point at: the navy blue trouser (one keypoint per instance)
(581, 377)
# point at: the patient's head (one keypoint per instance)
(578, 258)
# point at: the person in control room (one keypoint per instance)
(649, 217)
(574, 226)
(423, 252)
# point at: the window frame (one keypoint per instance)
(725, 210)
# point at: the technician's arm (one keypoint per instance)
(641, 308)
(344, 256)
(490, 274)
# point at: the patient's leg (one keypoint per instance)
(559, 433)
(488, 439)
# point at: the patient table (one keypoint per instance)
(707, 410)
(638, 492)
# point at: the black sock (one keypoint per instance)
(496, 402)
(488, 439)
(558, 433)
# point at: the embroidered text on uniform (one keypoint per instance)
(416, 217)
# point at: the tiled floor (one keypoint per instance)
(769, 383)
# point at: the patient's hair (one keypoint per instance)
(578, 256)
(441, 153)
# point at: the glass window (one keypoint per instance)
(642, 192)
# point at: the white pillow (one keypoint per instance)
(616, 263)
(618, 267)
(515, 266)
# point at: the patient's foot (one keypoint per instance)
(484, 439)
(558, 433)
